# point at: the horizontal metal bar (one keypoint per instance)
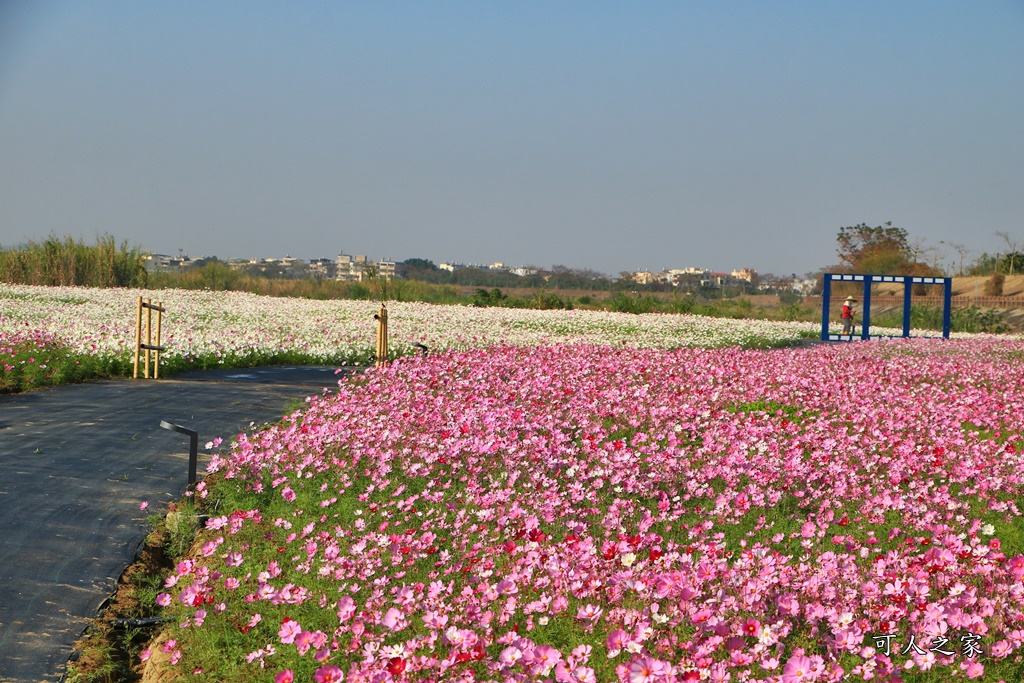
(178, 428)
(154, 307)
(152, 347)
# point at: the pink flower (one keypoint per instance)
(510, 655)
(797, 670)
(973, 668)
(328, 674)
(285, 676)
(641, 670)
(288, 494)
(303, 642)
(346, 608)
(392, 619)
(290, 629)
(615, 642)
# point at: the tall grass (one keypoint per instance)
(70, 262)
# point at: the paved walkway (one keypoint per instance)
(75, 463)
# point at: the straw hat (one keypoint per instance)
(850, 300)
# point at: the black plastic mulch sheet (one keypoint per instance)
(76, 462)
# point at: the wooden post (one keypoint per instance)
(149, 335)
(156, 353)
(382, 336)
(146, 343)
(138, 337)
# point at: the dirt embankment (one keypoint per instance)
(972, 287)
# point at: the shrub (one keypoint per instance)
(994, 286)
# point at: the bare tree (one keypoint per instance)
(1012, 246)
(919, 250)
(962, 251)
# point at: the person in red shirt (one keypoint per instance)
(847, 315)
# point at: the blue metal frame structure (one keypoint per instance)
(908, 282)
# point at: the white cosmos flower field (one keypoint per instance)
(233, 326)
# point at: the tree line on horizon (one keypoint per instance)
(885, 250)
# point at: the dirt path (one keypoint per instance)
(75, 464)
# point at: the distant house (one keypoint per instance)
(157, 261)
(644, 277)
(746, 274)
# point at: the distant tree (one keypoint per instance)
(1011, 263)
(885, 250)
(420, 264)
(986, 264)
(1012, 247)
(873, 250)
(216, 275)
(961, 251)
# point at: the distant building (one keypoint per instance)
(323, 268)
(386, 269)
(523, 272)
(157, 261)
(747, 274)
(644, 277)
(349, 268)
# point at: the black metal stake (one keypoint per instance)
(193, 449)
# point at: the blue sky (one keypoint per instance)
(610, 135)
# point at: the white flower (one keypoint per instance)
(988, 529)
(628, 559)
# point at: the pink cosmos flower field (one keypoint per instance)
(586, 513)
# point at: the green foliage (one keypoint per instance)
(420, 264)
(1012, 263)
(970, 319)
(983, 265)
(484, 298)
(882, 246)
(32, 365)
(180, 527)
(70, 262)
(624, 303)
(974, 319)
(547, 301)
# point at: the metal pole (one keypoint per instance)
(947, 307)
(907, 304)
(826, 294)
(193, 448)
(865, 317)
